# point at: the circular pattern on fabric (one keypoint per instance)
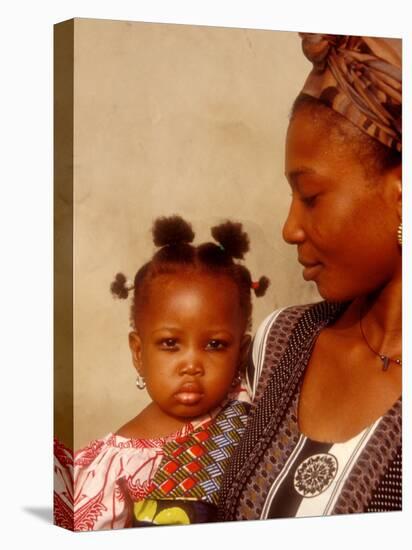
(315, 474)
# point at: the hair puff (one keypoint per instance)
(232, 238)
(172, 230)
(213, 255)
(262, 286)
(118, 287)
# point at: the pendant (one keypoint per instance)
(385, 360)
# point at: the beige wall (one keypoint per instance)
(171, 119)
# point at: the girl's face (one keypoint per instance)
(343, 224)
(189, 342)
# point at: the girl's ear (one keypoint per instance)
(244, 351)
(135, 345)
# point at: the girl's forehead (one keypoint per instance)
(200, 293)
(211, 284)
(186, 301)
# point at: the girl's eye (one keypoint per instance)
(216, 345)
(168, 343)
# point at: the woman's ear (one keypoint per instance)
(135, 345)
(398, 176)
(394, 179)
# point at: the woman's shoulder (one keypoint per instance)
(270, 330)
(285, 315)
(284, 319)
(274, 333)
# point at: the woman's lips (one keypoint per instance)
(189, 394)
(310, 272)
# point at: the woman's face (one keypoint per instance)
(343, 223)
(189, 342)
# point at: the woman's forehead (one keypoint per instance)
(315, 145)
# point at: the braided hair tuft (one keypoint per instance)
(172, 230)
(262, 286)
(231, 238)
(118, 287)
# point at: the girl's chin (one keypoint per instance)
(191, 412)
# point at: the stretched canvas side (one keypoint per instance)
(63, 274)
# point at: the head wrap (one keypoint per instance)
(360, 77)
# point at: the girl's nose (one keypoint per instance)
(192, 365)
(293, 232)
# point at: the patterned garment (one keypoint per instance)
(272, 470)
(187, 483)
(193, 466)
(360, 77)
(311, 479)
(95, 488)
(153, 512)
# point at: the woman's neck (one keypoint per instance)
(384, 307)
(379, 317)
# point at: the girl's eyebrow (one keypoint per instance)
(166, 329)
(206, 332)
(218, 331)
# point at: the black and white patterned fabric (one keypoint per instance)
(272, 472)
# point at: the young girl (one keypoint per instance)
(190, 315)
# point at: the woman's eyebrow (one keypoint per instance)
(294, 175)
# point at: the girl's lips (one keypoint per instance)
(189, 394)
(188, 398)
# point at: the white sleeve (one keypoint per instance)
(107, 478)
(257, 354)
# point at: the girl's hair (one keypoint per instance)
(375, 157)
(176, 254)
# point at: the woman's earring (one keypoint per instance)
(400, 234)
(140, 383)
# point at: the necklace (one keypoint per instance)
(384, 358)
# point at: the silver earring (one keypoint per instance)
(236, 381)
(140, 383)
(399, 233)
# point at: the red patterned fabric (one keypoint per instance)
(63, 486)
(95, 490)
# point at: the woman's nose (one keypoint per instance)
(293, 232)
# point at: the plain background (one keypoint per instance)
(170, 119)
(26, 280)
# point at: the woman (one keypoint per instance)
(325, 434)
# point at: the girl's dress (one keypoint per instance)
(276, 471)
(98, 488)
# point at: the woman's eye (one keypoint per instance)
(216, 345)
(309, 201)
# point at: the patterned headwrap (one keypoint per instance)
(360, 77)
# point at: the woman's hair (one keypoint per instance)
(176, 254)
(375, 157)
